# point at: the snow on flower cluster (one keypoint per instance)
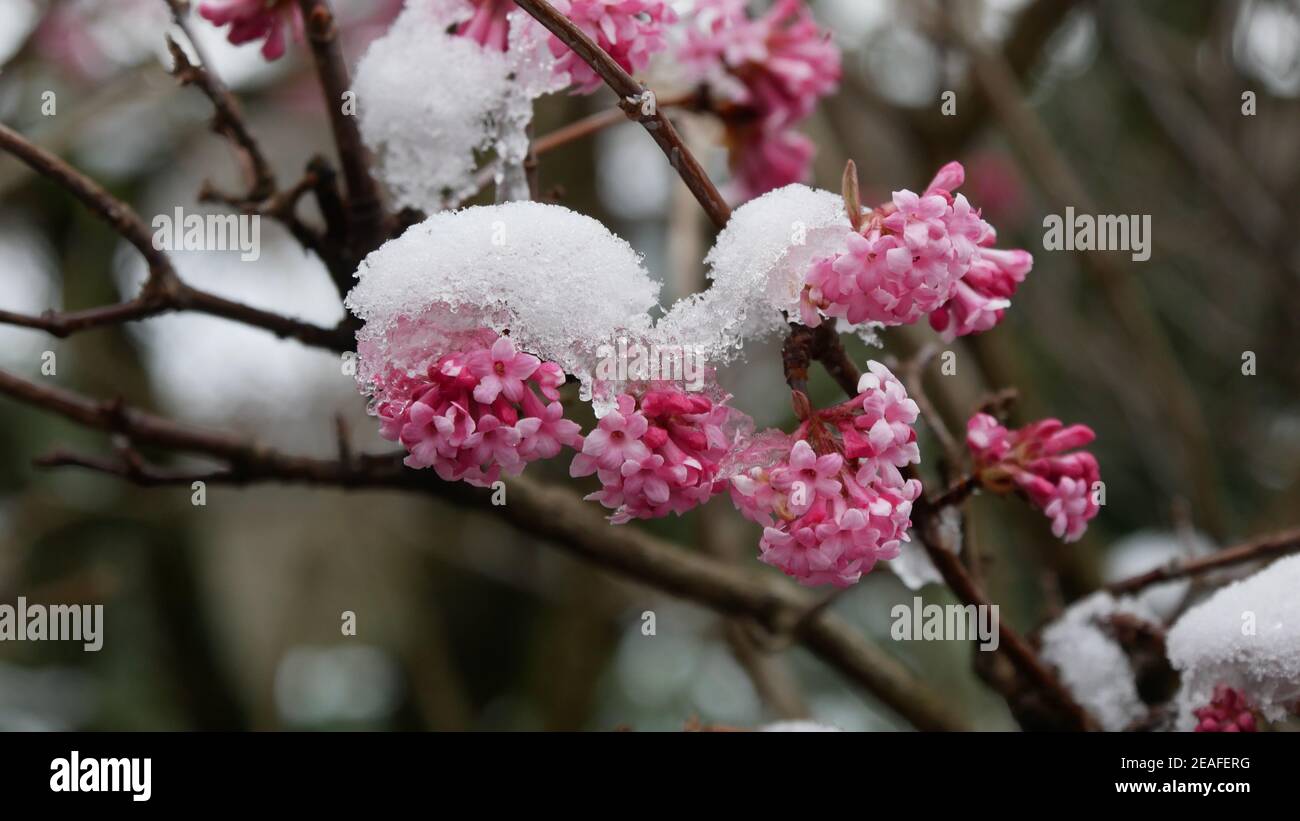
(918, 255)
(1092, 664)
(773, 69)
(794, 254)
(831, 497)
(756, 266)
(431, 105)
(660, 452)
(559, 283)
(1034, 461)
(1245, 636)
(476, 411)
(269, 21)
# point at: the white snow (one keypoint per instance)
(1246, 635)
(1091, 664)
(434, 107)
(558, 281)
(757, 267)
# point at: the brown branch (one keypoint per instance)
(263, 196)
(163, 290)
(228, 121)
(601, 120)
(913, 377)
(1263, 548)
(636, 105)
(543, 510)
(925, 516)
(366, 218)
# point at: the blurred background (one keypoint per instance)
(227, 616)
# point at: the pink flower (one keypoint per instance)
(658, 454)
(773, 70)
(832, 500)
(630, 31)
(266, 20)
(475, 411)
(918, 255)
(616, 439)
(1034, 461)
(1227, 712)
(501, 370)
(805, 475)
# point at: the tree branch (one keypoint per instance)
(542, 510)
(163, 290)
(366, 218)
(635, 104)
(925, 517)
(1262, 548)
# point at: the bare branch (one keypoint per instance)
(163, 290)
(1263, 548)
(228, 121)
(913, 377)
(366, 218)
(925, 515)
(542, 510)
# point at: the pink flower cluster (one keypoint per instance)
(831, 497)
(630, 31)
(659, 454)
(249, 20)
(773, 69)
(476, 411)
(915, 256)
(1227, 712)
(1033, 460)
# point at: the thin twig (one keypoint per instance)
(1263, 548)
(638, 103)
(163, 290)
(913, 377)
(366, 218)
(227, 121)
